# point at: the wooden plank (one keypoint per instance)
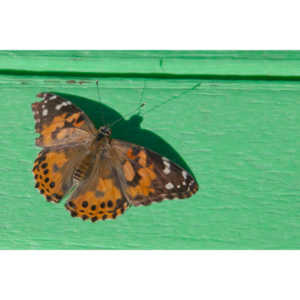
(240, 138)
(261, 64)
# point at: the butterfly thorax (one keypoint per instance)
(103, 132)
(102, 142)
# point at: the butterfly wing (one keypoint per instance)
(101, 195)
(128, 174)
(151, 177)
(53, 171)
(59, 122)
(65, 133)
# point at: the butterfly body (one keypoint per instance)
(108, 175)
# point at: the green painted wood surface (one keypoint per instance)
(232, 118)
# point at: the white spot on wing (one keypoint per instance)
(45, 112)
(169, 186)
(184, 174)
(167, 169)
(59, 106)
(53, 97)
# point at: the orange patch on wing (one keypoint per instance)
(105, 202)
(141, 155)
(130, 155)
(144, 186)
(57, 122)
(142, 158)
(111, 192)
(49, 182)
(74, 117)
(59, 158)
(128, 171)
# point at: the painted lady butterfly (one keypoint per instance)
(109, 175)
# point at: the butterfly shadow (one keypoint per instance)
(127, 130)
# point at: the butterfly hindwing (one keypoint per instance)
(100, 196)
(60, 122)
(53, 171)
(151, 177)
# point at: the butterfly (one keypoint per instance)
(103, 175)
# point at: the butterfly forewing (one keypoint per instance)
(152, 177)
(60, 122)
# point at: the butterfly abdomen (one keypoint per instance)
(84, 168)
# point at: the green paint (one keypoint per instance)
(237, 133)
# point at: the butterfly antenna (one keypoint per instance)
(130, 113)
(173, 98)
(99, 98)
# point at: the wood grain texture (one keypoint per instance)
(238, 135)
